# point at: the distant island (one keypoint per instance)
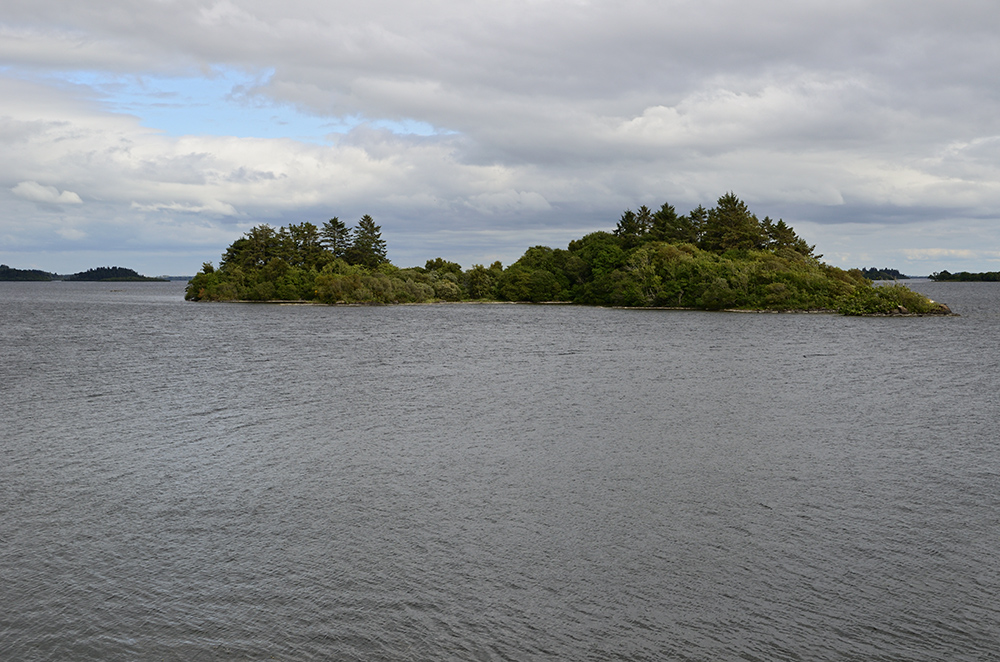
(112, 274)
(966, 277)
(109, 274)
(884, 273)
(710, 259)
(9, 273)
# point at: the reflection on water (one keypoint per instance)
(194, 481)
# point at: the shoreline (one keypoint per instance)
(760, 311)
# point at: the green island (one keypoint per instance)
(709, 259)
(966, 277)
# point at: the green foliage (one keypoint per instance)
(539, 275)
(480, 282)
(888, 300)
(668, 226)
(730, 226)
(443, 266)
(302, 246)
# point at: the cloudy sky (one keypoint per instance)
(152, 133)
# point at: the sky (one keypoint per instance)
(151, 134)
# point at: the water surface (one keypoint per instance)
(189, 481)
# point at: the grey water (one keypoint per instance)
(183, 481)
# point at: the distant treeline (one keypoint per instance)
(885, 273)
(723, 257)
(965, 276)
(116, 274)
(9, 273)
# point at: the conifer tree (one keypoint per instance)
(730, 225)
(336, 237)
(367, 246)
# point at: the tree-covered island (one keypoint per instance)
(9, 273)
(113, 274)
(712, 259)
(966, 277)
(110, 274)
(884, 273)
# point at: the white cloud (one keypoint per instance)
(38, 193)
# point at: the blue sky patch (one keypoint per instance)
(216, 105)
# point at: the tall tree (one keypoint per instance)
(255, 249)
(335, 237)
(304, 247)
(780, 235)
(367, 246)
(628, 225)
(634, 226)
(730, 225)
(668, 226)
(698, 217)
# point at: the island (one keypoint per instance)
(722, 258)
(99, 274)
(114, 275)
(9, 273)
(966, 277)
(885, 273)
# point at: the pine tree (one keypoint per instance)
(730, 225)
(367, 246)
(336, 237)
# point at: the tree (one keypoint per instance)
(303, 246)
(635, 225)
(698, 218)
(335, 237)
(780, 235)
(479, 282)
(443, 266)
(668, 226)
(367, 246)
(730, 225)
(253, 250)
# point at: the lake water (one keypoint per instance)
(184, 481)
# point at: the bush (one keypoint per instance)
(887, 299)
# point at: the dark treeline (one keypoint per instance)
(9, 273)
(723, 257)
(965, 276)
(98, 274)
(117, 274)
(884, 273)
